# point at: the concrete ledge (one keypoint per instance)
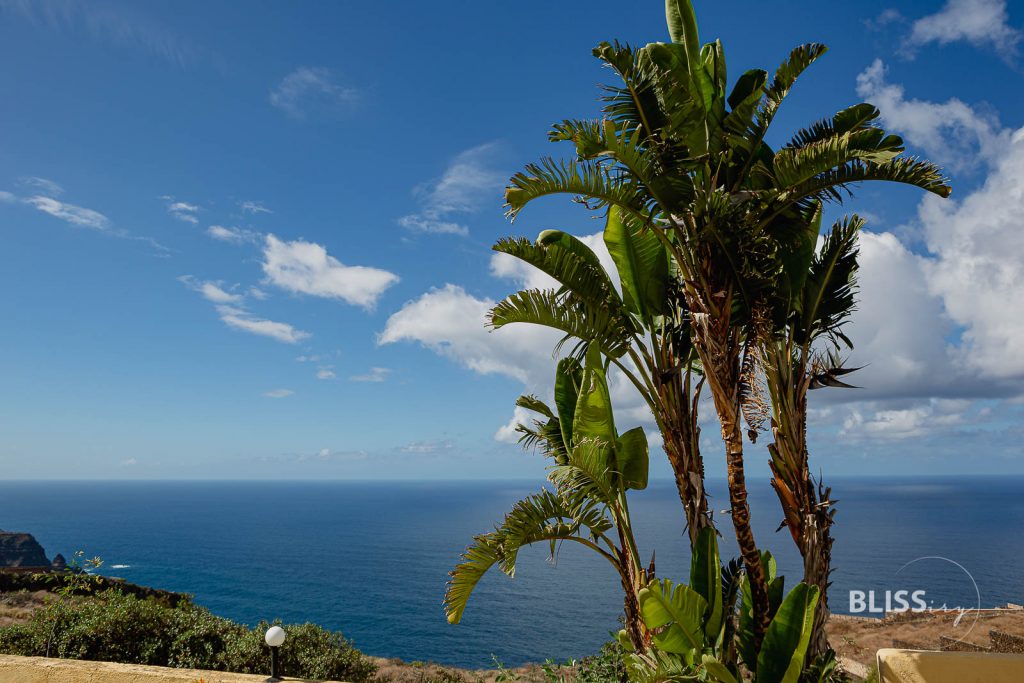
(47, 670)
(921, 666)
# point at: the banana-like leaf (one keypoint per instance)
(642, 263)
(633, 458)
(682, 27)
(674, 613)
(593, 418)
(706, 579)
(568, 379)
(717, 671)
(785, 642)
(558, 238)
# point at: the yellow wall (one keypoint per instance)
(42, 670)
(917, 666)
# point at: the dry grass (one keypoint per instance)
(17, 607)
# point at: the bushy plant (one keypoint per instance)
(122, 628)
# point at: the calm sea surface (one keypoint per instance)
(371, 559)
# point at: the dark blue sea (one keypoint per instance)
(371, 559)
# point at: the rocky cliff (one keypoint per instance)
(21, 550)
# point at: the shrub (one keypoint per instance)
(123, 628)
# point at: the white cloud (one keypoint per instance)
(424, 447)
(257, 293)
(467, 182)
(451, 322)
(311, 89)
(7, 197)
(241, 319)
(43, 186)
(232, 312)
(129, 462)
(233, 235)
(868, 422)
(374, 375)
(211, 291)
(253, 207)
(307, 359)
(507, 432)
(951, 133)
(306, 268)
(278, 393)
(325, 372)
(982, 23)
(183, 211)
(105, 23)
(75, 215)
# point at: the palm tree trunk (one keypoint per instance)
(733, 437)
(631, 584)
(816, 548)
(688, 469)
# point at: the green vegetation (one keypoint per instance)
(111, 626)
(721, 286)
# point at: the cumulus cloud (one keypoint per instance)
(76, 215)
(451, 322)
(466, 183)
(951, 133)
(306, 268)
(311, 88)
(982, 23)
(374, 375)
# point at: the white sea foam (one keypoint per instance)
(120, 566)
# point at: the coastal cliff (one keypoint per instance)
(21, 550)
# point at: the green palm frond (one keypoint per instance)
(635, 102)
(587, 281)
(800, 58)
(907, 170)
(829, 293)
(858, 117)
(794, 165)
(542, 517)
(590, 182)
(572, 316)
(589, 473)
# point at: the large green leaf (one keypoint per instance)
(706, 579)
(593, 418)
(633, 457)
(682, 27)
(785, 642)
(568, 378)
(674, 614)
(717, 671)
(642, 264)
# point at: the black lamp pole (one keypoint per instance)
(274, 665)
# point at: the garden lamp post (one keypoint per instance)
(275, 639)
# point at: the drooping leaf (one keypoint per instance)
(568, 378)
(642, 264)
(632, 457)
(593, 418)
(706, 579)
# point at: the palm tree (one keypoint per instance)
(593, 468)
(813, 308)
(643, 331)
(681, 157)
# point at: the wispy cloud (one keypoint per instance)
(325, 372)
(253, 207)
(311, 89)
(122, 25)
(183, 211)
(42, 186)
(76, 215)
(374, 375)
(306, 268)
(233, 235)
(424, 447)
(278, 393)
(982, 23)
(230, 307)
(467, 182)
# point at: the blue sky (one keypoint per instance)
(252, 240)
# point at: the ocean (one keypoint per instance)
(371, 559)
